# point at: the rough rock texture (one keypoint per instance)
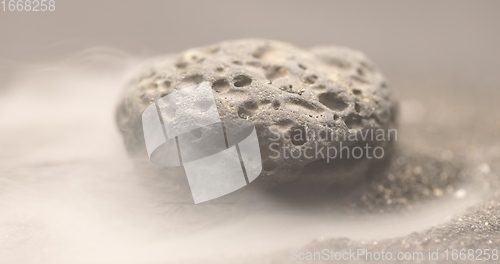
(278, 87)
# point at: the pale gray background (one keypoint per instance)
(451, 40)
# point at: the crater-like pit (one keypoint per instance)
(333, 101)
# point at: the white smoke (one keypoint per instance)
(69, 193)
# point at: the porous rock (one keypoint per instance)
(283, 90)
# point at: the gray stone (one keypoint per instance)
(283, 90)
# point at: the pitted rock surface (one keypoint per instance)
(283, 90)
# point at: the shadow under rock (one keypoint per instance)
(405, 178)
